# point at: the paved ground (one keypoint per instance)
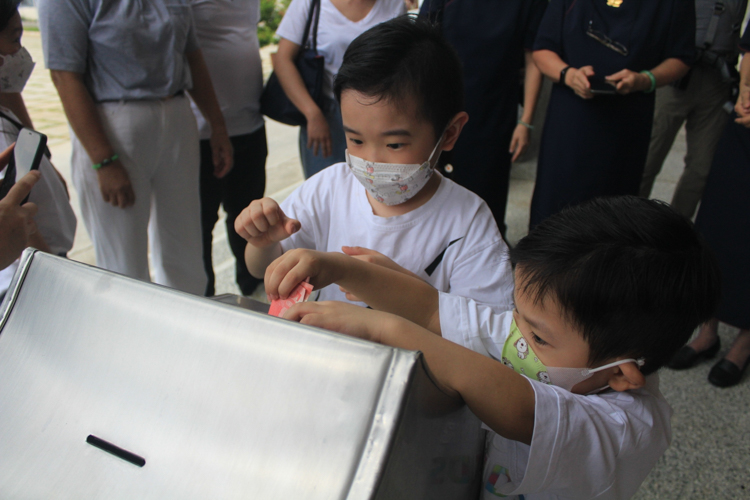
(711, 434)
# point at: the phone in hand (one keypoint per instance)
(601, 86)
(27, 155)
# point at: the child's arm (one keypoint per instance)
(264, 225)
(501, 398)
(379, 287)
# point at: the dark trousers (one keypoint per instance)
(244, 183)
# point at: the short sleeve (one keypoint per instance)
(616, 440)
(64, 28)
(681, 37)
(472, 325)
(191, 44)
(538, 8)
(304, 204)
(549, 35)
(292, 26)
(485, 274)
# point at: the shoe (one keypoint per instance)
(686, 357)
(726, 374)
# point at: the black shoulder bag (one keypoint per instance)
(274, 102)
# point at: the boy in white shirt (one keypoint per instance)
(606, 292)
(400, 91)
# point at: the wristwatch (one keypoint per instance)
(562, 76)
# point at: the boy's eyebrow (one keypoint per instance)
(351, 130)
(399, 131)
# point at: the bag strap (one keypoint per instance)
(713, 26)
(314, 12)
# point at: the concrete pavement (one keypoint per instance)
(711, 427)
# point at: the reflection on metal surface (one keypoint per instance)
(218, 401)
(243, 302)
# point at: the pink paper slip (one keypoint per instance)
(300, 294)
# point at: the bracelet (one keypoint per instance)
(105, 162)
(562, 76)
(527, 125)
(650, 77)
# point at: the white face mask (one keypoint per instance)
(15, 71)
(518, 356)
(392, 183)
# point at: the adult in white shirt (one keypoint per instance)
(228, 35)
(321, 140)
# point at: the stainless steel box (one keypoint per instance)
(219, 402)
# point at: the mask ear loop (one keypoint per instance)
(639, 362)
(440, 141)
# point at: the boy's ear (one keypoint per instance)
(454, 130)
(627, 377)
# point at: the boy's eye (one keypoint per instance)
(397, 145)
(356, 141)
(538, 340)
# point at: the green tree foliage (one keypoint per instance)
(271, 12)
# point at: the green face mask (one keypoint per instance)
(519, 357)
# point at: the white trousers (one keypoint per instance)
(157, 143)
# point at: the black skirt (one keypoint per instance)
(724, 221)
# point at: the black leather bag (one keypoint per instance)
(311, 66)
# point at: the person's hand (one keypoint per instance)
(372, 257)
(627, 81)
(286, 272)
(263, 223)
(742, 107)
(223, 153)
(16, 220)
(318, 134)
(340, 317)
(520, 141)
(115, 186)
(578, 80)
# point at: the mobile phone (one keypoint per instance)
(28, 151)
(601, 86)
(30, 147)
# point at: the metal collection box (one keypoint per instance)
(114, 388)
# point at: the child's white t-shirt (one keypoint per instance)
(335, 30)
(452, 241)
(598, 446)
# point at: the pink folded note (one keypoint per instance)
(299, 294)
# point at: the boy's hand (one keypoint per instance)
(340, 317)
(372, 257)
(263, 224)
(286, 272)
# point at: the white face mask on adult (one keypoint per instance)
(15, 71)
(392, 183)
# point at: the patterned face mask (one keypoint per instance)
(15, 71)
(392, 183)
(519, 357)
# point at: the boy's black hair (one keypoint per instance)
(405, 60)
(8, 8)
(632, 274)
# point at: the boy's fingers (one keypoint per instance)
(352, 251)
(291, 225)
(22, 188)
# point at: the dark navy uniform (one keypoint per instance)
(490, 37)
(724, 218)
(598, 147)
